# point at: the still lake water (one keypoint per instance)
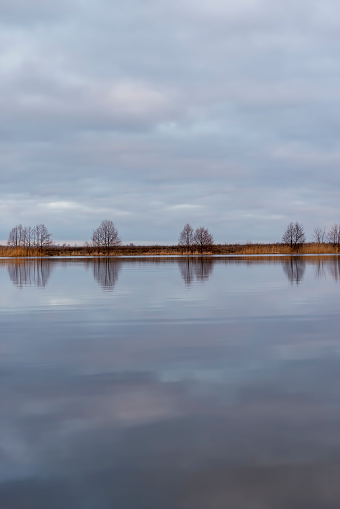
(157, 383)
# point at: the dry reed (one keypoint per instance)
(217, 249)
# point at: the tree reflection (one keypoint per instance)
(320, 271)
(333, 266)
(105, 272)
(34, 272)
(195, 269)
(294, 268)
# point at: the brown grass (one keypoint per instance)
(217, 249)
(20, 251)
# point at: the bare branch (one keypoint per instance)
(319, 235)
(203, 239)
(333, 236)
(106, 235)
(186, 237)
(294, 236)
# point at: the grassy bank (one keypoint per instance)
(217, 249)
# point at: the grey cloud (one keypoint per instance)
(34, 12)
(170, 103)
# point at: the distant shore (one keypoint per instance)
(156, 250)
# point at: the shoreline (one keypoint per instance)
(175, 250)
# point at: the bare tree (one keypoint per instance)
(186, 237)
(13, 238)
(294, 236)
(319, 235)
(21, 235)
(26, 236)
(17, 236)
(29, 236)
(203, 239)
(106, 236)
(42, 237)
(333, 236)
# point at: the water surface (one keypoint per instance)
(173, 383)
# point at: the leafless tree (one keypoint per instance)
(186, 238)
(203, 239)
(42, 237)
(294, 236)
(21, 235)
(16, 236)
(13, 237)
(26, 236)
(333, 236)
(319, 235)
(29, 236)
(106, 236)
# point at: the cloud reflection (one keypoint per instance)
(84, 441)
(200, 406)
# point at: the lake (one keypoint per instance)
(170, 383)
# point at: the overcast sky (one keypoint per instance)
(223, 114)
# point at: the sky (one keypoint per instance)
(154, 114)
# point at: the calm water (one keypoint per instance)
(170, 383)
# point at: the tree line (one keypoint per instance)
(30, 236)
(106, 237)
(294, 236)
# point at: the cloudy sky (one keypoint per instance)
(153, 114)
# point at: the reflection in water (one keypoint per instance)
(320, 269)
(195, 268)
(34, 272)
(334, 268)
(105, 272)
(294, 268)
(224, 395)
